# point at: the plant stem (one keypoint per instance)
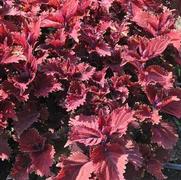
(173, 166)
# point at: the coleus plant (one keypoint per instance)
(88, 88)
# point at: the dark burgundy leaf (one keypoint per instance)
(31, 141)
(4, 148)
(21, 168)
(164, 135)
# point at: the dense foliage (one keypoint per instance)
(88, 88)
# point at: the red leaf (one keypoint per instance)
(54, 3)
(119, 81)
(43, 160)
(33, 31)
(165, 101)
(141, 49)
(84, 4)
(154, 159)
(109, 162)
(156, 117)
(31, 141)
(103, 49)
(144, 112)
(99, 77)
(153, 94)
(119, 120)
(154, 167)
(53, 20)
(54, 66)
(175, 39)
(85, 129)
(129, 56)
(69, 8)
(25, 119)
(164, 135)
(132, 173)
(145, 19)
(76, 95)
(155, 24)
(85, 71)
(7, 56)
(134, 156)
(20, 39)
(69, 69)
(27, 72)
(75, 32)
(45, 84)
(119, 85)
(57, 39)
(15, 91)
(172, 103)
(156, 74)
(3, 95)
(154, 47)
(76, 167)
